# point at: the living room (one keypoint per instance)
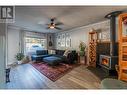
(53, 47)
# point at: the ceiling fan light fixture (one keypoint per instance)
(52, 27)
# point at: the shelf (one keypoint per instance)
(124, 37)
(125, 75)
(124, 62)
(123, 49)
(124, 44)
(124, 56)
(124, 59)
(124, 53)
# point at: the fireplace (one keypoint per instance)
(108, 62)
(105, 60)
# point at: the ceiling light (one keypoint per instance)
(51, 27)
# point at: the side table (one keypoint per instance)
(82, 60)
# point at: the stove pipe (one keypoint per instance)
(112, 16)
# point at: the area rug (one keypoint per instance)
(54, 72)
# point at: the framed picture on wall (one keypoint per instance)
(68, 43)
(105, 36)
(58, 40)
(63, 40)
(68, 40)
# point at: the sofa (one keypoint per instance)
(40, 54)
(70, 58)
(54, 59)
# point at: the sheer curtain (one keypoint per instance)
(35, 36)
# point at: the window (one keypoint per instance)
(32, 44)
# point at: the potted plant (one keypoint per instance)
(19, 57)
(82, 47)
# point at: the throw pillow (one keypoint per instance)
(52, 52)
(66, 52)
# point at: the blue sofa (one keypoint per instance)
(53, 59)
(40, 54)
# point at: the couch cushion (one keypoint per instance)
(42, 56)
(51, 51)
(60, 52)
(73, 51)
(52, 60)
(39, 57)
(42, 52)
(63, 58)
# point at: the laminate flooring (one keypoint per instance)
(25, 76)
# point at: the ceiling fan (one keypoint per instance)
(54, 25)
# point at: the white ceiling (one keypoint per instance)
(29, 17)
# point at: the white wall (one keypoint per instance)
(81, 33)
(13, 45)
(2, 55)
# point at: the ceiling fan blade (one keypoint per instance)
(59, 23)
(58, 28)
(47, 27)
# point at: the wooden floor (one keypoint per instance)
(26, 76)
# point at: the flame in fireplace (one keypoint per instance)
(105, 61)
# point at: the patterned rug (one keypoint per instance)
(54, 72)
